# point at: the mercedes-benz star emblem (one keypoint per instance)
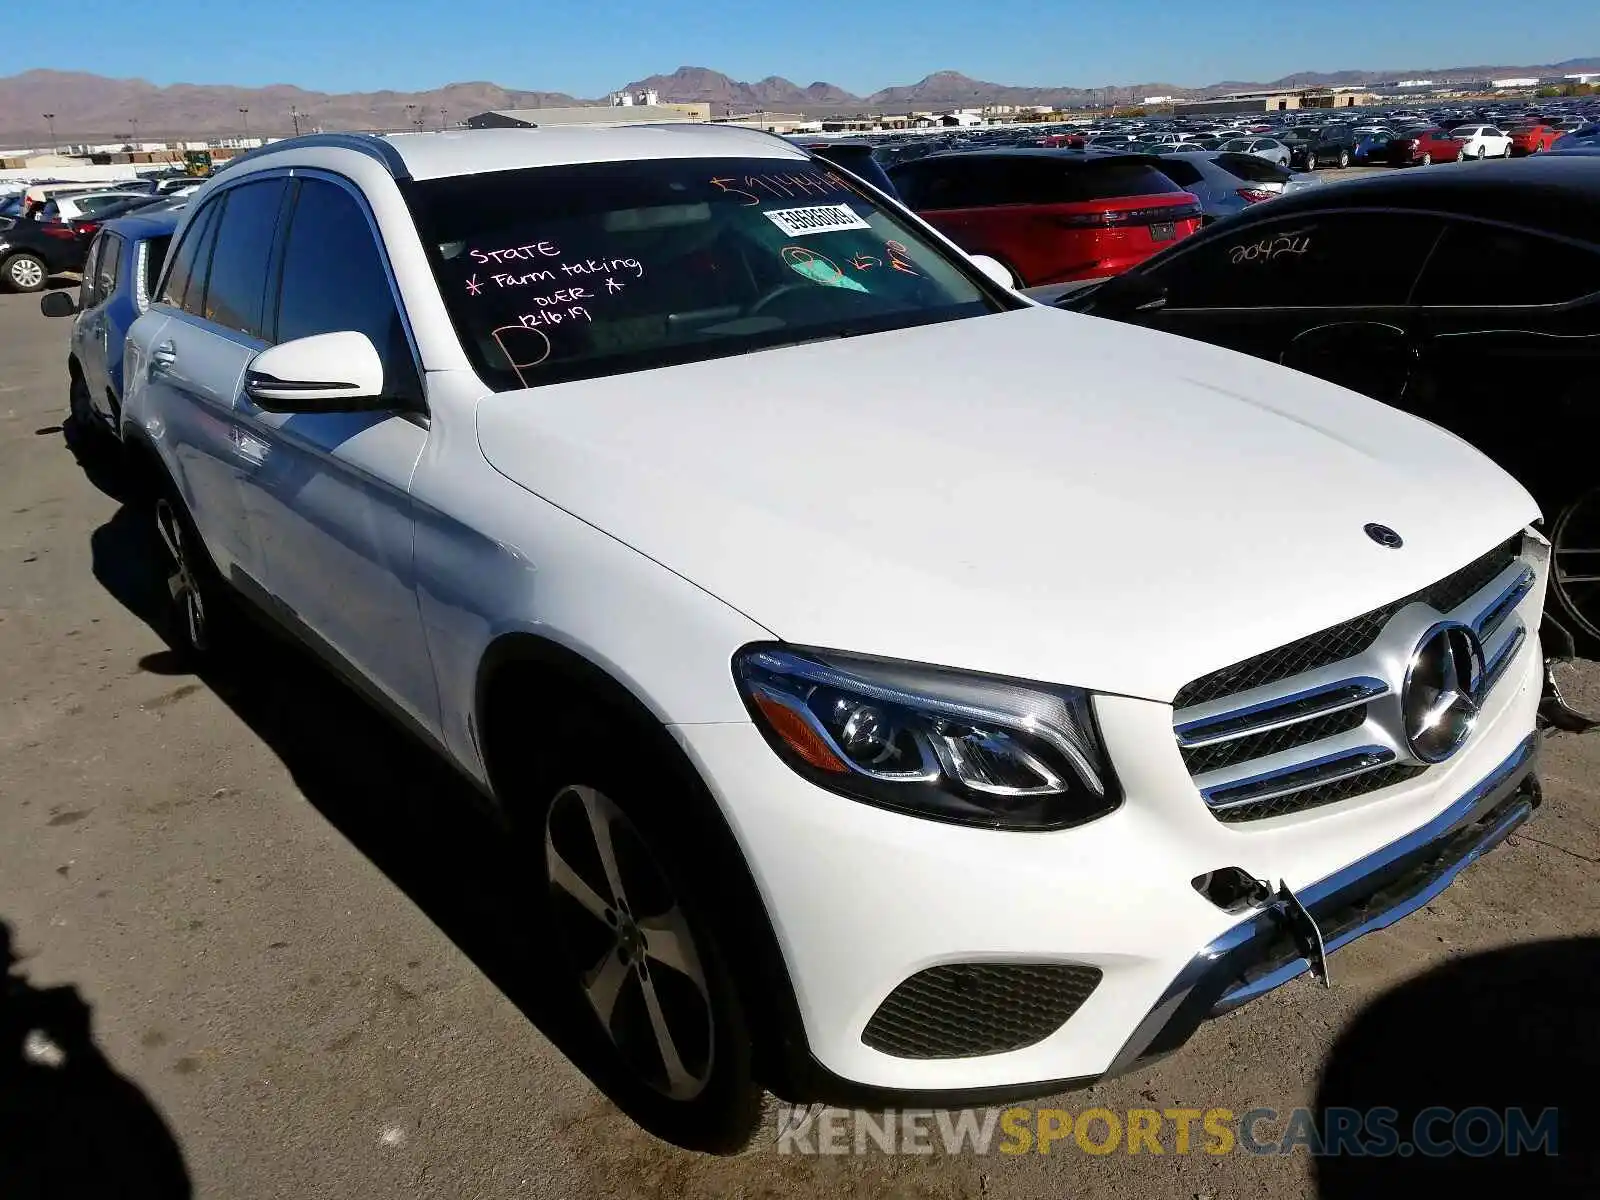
(1384, 536)
(1440, 700)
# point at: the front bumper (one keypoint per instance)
(861, 899)
(1276, 945)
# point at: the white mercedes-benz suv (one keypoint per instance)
(901, 690)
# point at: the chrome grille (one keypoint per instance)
(1200, 759)
(1350, 638)
(1319, 721)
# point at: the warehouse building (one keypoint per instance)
(589, 114)
(1281, 101)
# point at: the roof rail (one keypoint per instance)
(373, 145)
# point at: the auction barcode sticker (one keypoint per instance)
(824, 218)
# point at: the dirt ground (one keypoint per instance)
(297, 943)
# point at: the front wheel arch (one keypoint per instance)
(524, 680)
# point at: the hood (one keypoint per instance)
(1036, 494)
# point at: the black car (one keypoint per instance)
(1470, 298)
(1327, 146)
(854, 156)
(32, 251)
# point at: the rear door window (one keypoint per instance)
(109, 268)
(1478, 265)
(1319, 260)
(186, 283)
(1181, 173)
(1252, 169)
(86, 289)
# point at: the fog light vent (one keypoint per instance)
(964, 1009)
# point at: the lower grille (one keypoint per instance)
(960, 1010)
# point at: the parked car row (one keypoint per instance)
(56, 239)
(1469, 298)
(1259, 661)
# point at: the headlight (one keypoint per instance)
(929, 741)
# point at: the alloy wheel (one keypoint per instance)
(27, 273)
(1576, 573)
(630, 943)
(181, 583)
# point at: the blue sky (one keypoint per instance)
(588, 48)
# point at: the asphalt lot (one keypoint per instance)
(300, 947)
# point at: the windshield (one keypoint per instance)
(559, 273)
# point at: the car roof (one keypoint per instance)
(1556, 195)
(481, 151)
(1049, 153)
(139, 225)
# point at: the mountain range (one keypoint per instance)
(97, 108)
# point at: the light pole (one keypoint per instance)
(50, 119)
(133, 138)
(294, 115)
(245, 113)
(442, 113)
(411, 116)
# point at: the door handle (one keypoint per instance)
(163, 356)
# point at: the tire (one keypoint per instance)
(86, 433)
(1344, 159)
(79, 406)
(25, 272)
(640, 955)
(1575, 570)
(199, 617)
(1483, 153)
(1427, 160)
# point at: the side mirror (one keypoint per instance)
(328, 372)
(994, 269)
(57, 304)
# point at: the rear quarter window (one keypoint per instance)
(1492, 267)
(1252, 169)
(1319, 260)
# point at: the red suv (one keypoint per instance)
(1424, 146)
(1051, 216)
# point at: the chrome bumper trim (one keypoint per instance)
(1206, 986)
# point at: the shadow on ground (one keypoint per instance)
(1516, 1028)
(414, 817)
(70, 1126)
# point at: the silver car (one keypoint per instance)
(1270, 149)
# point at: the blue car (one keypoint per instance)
(1372, 145)
(1585, 139)
(119, 274)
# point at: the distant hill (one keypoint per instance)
(96, 108)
